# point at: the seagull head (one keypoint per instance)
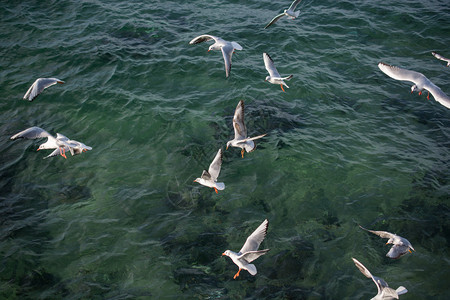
(390, 241)
(267, 78)
(44, 146)
(226, 253)
(197, 180)
(228, 145)
(213, 47)
(414, 88)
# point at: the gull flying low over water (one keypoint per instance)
(287, 12)
(274, 77)
(209, 178)
(400, 245)
(38, 86)
(438, 56)
(384, 291)
(249, 251)
(61, 143)
(420, 82)
(240, 132)
(220, 44)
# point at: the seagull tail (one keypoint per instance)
(236, 46)
(297, 13)
(401, 290)
(220, 186)
(288, 78)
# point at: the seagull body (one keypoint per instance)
(290, 13)
(240, 132)
(274, 77)
(209, 178)
(400, 245)
(420, 82)
(384, 291)
(220, 44)
(75, 147)
(61, 143)
(249, 251)
(38, 86)
(438, 56)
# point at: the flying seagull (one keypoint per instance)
(240, 132)
(419, 80)
(274, 77)
(438, 56)
(287, 12)
(249, 251)
(60, 142)
(77, 147)
(400, 245)
(220, 44)
(209, 178)
(384, 291)
(38, 86)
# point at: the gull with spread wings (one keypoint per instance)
(38, 86)
(241, 140)
(274, 77)
(226, 47)
(249, 251)
(384, 291)
(287, 12)
(209, 178)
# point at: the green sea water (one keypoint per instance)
(345, 145)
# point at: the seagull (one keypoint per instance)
(384, 291)
(274, 77)
(401, 246)
(287, 12)
(77, 147)
(419, 80)
(38, 86)
(209, 178)
(438, 56)
(60, 142)
(240, 132)
(249, 251)
(220, 44)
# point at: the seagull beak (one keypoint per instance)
(387, 243)
(409, 250)
(38, 149)
(226, 148)
(223, 254)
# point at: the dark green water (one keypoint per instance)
(346, 145)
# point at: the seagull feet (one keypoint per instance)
(216, 190)
(62, 151)
(282, 88)
(242, 153)
(420, 93)
(237, 274)
(428, 96)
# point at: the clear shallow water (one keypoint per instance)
(346, 145)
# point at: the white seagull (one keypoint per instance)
(75, 147)
(419, 80)
(240, 132)
(249, 251)
(384, 291)
(220, 44)
(438, 56)
(287, 12)
(274, 77)
(60, 142)
(209, 178)
(38, 86)
(400, 245)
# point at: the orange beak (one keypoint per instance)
(223, 254)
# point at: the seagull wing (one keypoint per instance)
(250, 256)
(55, 152)
(31, 133)
(294, 5)
(438, 56)
(206, 175)
(240, 131)
(383, 234)
(277, 17)
(214, 167)
(397, 250)
(402, 74)
(227, 52)
(270, 66)
(437, 93)
(255, 239)
(38, 86)
(202, 38)
(367, 273)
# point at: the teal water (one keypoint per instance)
(346, 145)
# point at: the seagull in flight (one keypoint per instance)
(209, 178)
(400, 245)
(241, 140)
(38, 86)
(420, 82)
(249, 252)
(220, 44)
(384, 291)
(287, 12)
(274, 77)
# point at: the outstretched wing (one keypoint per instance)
(255, 239)
(31, 133)
(214, 167)
(270, 66)
(240, 131)
(438, 56)
(402, 74)
(294, 5)
(38, 86)
(252, 255)
(202, 38)
(277, 17)
(227, 52)
(383, 234)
